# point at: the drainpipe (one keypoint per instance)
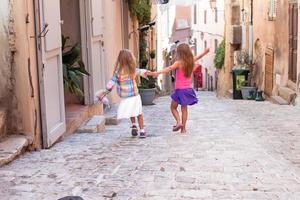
(251, 34)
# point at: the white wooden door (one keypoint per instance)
(50, 72)
(95, 44)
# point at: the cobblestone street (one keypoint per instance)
(234, 150)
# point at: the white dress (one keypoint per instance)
(130, 107)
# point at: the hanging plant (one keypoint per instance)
(141, 10)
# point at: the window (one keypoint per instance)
(272, 9)
(216, 45)
(205, 16)
(216, 15)
(195, 14)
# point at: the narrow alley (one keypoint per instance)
(233, 150)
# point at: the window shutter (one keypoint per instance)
(272, 9)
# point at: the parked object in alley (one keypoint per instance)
(239, 76)
(247, 92)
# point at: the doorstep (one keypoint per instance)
(11, 147)
(76, 115)
(94, 125)
(110, 115)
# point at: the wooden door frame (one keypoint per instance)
(269, 51)
(85, 31)
(40, 46)
(291, 54)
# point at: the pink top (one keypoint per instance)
(182, 82)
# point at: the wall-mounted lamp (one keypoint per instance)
(146, 27)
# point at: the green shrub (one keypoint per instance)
(220, 56)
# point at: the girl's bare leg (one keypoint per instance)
(141, 121)
(174, 106)
(184, 111)
(132, 119)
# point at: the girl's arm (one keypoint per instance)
(206, 51)
(109, 86)
(167, 69)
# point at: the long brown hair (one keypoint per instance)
(185, 55)
(125, 63)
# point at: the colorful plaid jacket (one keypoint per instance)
(126, 86)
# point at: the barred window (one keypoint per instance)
(272, 9)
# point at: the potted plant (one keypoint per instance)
(73, 67)
(147, 87)
(141, 11)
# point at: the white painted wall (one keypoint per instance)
(165, 20)
(211, 30)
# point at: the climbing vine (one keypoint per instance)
(141, 10)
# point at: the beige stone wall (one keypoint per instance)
(224, 79)
(298, 64)
(5, 54)
(274, 35)
(26, 113)
(18, 71)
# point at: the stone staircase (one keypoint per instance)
(11, 146)
(97, 123)
(286, 96)
(110, 115)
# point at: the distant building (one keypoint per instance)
(174, 26)
(272, 46)
(208, 32)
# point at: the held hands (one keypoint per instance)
(153, 74)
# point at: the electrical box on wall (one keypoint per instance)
(235, 37)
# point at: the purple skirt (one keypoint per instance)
(185, 97)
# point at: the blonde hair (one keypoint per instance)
(125, 63)
(185, 55)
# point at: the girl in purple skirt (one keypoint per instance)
(184, 94)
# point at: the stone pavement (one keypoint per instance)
(234, 150)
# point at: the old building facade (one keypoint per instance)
(268, 30)
(208, 32)
(34, 105)
(174, 27)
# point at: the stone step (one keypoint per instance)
(278, 100)
(111, 115)
(287, 94)
(292, 85)
(2, 124)
(11, 147)
(94, 125)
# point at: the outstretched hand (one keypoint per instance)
(206, 51)
(101, 96)
(153, 74)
